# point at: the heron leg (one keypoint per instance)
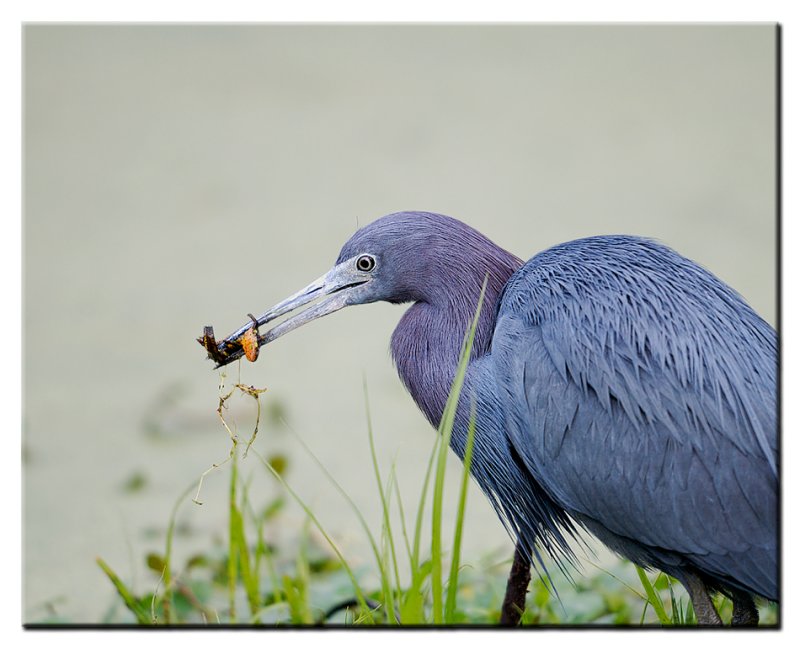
(703, 606)
(516, 588)
(745, 612)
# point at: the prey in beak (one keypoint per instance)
(342, 286)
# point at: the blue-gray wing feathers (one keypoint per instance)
(642, 393)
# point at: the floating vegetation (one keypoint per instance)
(135, 482)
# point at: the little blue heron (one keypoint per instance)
(619, 388)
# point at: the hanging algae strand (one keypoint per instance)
(245, 389)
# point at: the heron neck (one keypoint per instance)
(427, 342)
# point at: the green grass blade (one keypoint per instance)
(452, 585)
(142, 617)
(387, 587)
(249, 574)
(412, 600)
(445, 431)
(263, 552)
(652, 597)
(681, 615)
(421, 507)
(299, 612)
(412, 607)
(233, 547)
(402, 512)
(436, 524)
(632, 590)
(302, 610)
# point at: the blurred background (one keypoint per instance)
(178, 176)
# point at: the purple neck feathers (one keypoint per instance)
(427, 342)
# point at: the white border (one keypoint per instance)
(371, 11)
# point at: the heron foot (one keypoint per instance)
(516, 589)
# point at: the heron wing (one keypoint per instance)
(643, 394)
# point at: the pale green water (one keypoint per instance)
(176, 177)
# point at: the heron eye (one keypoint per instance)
(365, 263)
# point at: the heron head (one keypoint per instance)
(402, 257)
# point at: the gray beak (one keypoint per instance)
(337, 284)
